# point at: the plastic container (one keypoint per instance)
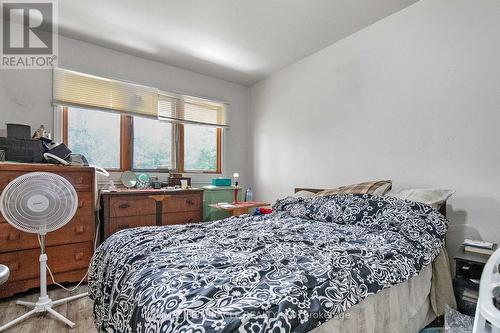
(249, 194)
(221, 181)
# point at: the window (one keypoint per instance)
(152, 144)
(118, 142)
(200, 148)
(96, 135)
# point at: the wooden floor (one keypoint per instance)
(78, 311)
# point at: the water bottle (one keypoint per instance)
(249, 194)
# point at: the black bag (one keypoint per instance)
(22, 150)
(61, 150)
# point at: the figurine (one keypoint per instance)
(39, 133)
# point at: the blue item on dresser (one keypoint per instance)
(221, 181)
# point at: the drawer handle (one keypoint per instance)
(14, 266)
(14, 236)
(190, 202)
(465, 268)
(78, 180)
(79, 229)
(125, 205)
(80, 204)
(123, 226)
(78, 256)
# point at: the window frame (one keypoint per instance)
(65, 115)
(127, 146)
(130, 141)
(181, 153)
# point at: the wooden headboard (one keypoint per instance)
(442, 208)
(313, 190)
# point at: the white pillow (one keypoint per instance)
(429, 196)
(303, 194)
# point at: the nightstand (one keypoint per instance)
(214, 194)
(468, 270)
(240, 208)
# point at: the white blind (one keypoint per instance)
(88, 91)
(193, 110)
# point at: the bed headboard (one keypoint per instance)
(442, 209)
(313, 190)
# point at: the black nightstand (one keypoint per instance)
(468, 269)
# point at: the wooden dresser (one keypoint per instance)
(69, 249)
(137, 208)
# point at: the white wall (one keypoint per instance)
(414, 98)
(25, 95)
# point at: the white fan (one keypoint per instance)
(40, 202)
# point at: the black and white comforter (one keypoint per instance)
(289, 271)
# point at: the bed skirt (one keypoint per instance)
(405, 308)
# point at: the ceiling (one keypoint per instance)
(242, 41)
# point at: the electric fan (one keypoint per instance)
(40, 202)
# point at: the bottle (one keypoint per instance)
(249, 194)
(112, 186)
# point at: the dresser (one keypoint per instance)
(138, 208)
(69, 248)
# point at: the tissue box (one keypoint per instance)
(221, 181)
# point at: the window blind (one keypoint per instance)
(87, 91)
(192, 110)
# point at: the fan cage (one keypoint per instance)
(54, 194)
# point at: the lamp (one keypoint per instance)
(236, 176)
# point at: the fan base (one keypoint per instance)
(44, 304)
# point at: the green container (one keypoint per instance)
(221, 181)
(215, 194)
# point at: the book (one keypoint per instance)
(478, 243)
(473, 294)
(469, 299)
(480, 250)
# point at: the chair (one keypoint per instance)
(488, 289)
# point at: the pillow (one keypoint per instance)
(430, 196)
(303, 194)
(379, 187)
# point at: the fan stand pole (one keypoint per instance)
(44, 303)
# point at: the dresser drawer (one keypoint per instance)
(181, 217)
(117, 224)
(85, 206)
(79, 229)
(131, 206)
(62, 258)
(8, 176)
(81, 181)
(182, 203)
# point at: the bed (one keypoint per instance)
(347, 263)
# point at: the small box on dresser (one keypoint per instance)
(69, 248)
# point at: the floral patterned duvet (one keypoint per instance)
(289, 271)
